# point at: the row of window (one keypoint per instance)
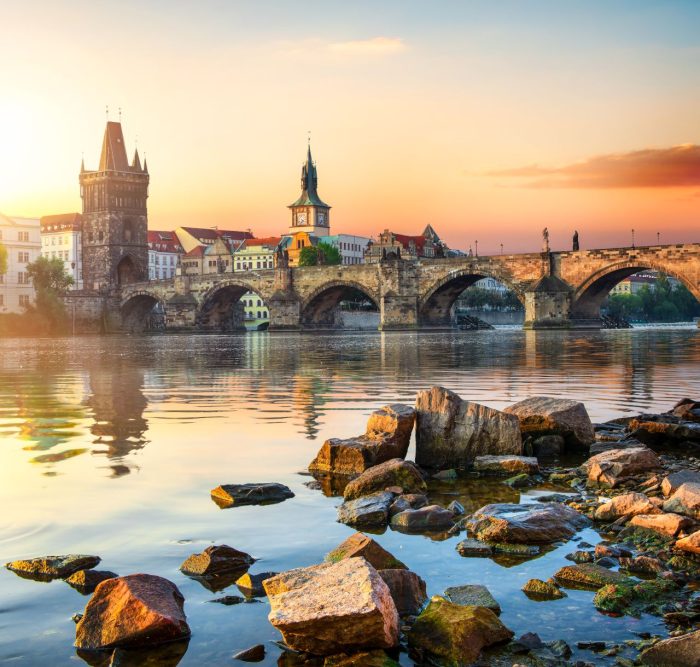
(59, 254)
(246, 266)
(250, 315)
(162, 260)
(23, 301)
(56, 240)
(21, 236)
(22, 278)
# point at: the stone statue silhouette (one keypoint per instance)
(576, 240)
(545, 240)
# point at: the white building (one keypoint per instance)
(61, 239)
(352, 248)
(22, 239)
(491, 284)
(164, 249)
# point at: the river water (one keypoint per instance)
(111, 445)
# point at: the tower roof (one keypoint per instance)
(309, 183)
(113, 156)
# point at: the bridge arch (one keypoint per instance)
(221, 308)
(142, 311)
(435, 304)
(590, 294)
(318, 310)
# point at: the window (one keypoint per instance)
(22, 278)
(23, 257)
(259, 315)
(24, 300)
(23, 236)
(2, 299)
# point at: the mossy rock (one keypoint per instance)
(519, 481)
(365, 659)
(634, 597)
(588, 576)
(536, 589)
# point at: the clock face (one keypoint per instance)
(301, 218)
(322, 217)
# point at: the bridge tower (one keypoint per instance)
(115, 221)
(309, 213)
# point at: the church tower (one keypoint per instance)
(115, 222)
(309, 213)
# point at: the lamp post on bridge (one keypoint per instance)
(633, 238)
(658, 238)
(501, 248)
(476, 248)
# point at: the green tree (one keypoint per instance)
(50, 283)
(322, 253)
(308, 256)
(3, 260)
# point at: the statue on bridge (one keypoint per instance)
(545, 240)
(282, 259)
(576, 241)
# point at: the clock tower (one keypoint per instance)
(309, 213)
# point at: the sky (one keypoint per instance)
(488, 120)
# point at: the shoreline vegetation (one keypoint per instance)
(636, 483)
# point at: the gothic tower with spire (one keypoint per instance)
(309, 213)
(115, 221)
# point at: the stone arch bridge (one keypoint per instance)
(558, 290)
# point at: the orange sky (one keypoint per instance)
(489, 122)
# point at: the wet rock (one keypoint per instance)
(474, 548)
(368, 511)
(526, 524)
(517, 550)
(456, 508)
(686, 501)
(506, 465)
(642, 565)
(633, 597)
(661, 430)
(543, 415)
(387, 437)
(251, 585)
(687, 409)
(216, 560)
(580, 557)
(451, 432)
(132, 611)
(360, 545)
(408, 501)
(229, 600)
(454, 633)
(547, 446)
(235, 495)
(253, 654)
(475, 595)
(407, 590)
(448, 475)
(670, 483)
(668, 524)
(333, 608)
(537, 589)
(691, 543)
(52, 567)
(627, 504)
(430, 518)
(363, 659)
(165, 655)
(609, 469)
(85, 581)
(609, 551)
(396, 472)
(683, 651)
(587, 575)
(519, 481)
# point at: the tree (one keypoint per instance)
(50, 283)
(322, 253)
(308, 256)
(3, 260)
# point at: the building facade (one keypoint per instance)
(391, 245)
(61, 238)
(310, 213)
(164, 252)
(21, 237)
(352, 248)
(256, 254)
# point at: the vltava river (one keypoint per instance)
(111, 445)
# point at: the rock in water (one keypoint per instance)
(683, 651)
(536, 589)
(251, 585)
(85, 581)
(627, 504)
(425, 519)
(686, 501)
(667, 524)
(216, 560)
(588, 576)
(456, 634)
(691, 543)
(451, 432)
(133, 611)
(360, 545)
(506, 465)
(368, 511)
(543, 415)
(234, 495)
(333, 608)
(253, 654)
(396, 473)
(614, 466)
(526, 524)
(475, 595)
(387, 437)
(363, 659)
(53, 567)
(407, 590)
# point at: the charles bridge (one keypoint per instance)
(557, 289)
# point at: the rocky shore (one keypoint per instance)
(636, 483)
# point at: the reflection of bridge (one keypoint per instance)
(558, 289)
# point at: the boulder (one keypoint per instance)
(536, 589)
(588, 576)
(670, 483)
(85, 581)
(454, 633)
(407, 590)
(683, 651)
(360, 545)
(133, 611)
(475, 595)
(506, 465)
(627, 504)
(543, 415)
(547, 446)
(234, 495)
(429, 518)
(687, 409)
(610, 468)
(668, 524)
(686, 501)
(396, 472)
(451, 432)
(216, 560)
(251, 585)
(253, 654)
(474, 548)
(333, 608)
(661, 430)
(408, 501)
(368, 511)
(387, 437)
(53, 567)
(690, 543)
(526, 524)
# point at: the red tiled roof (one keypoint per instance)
(213, 234)
(197, 251)
(63, 221)
(163, 241)
(404, 240)
(269, 240)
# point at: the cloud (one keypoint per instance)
(375, 46)
(674, 167)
